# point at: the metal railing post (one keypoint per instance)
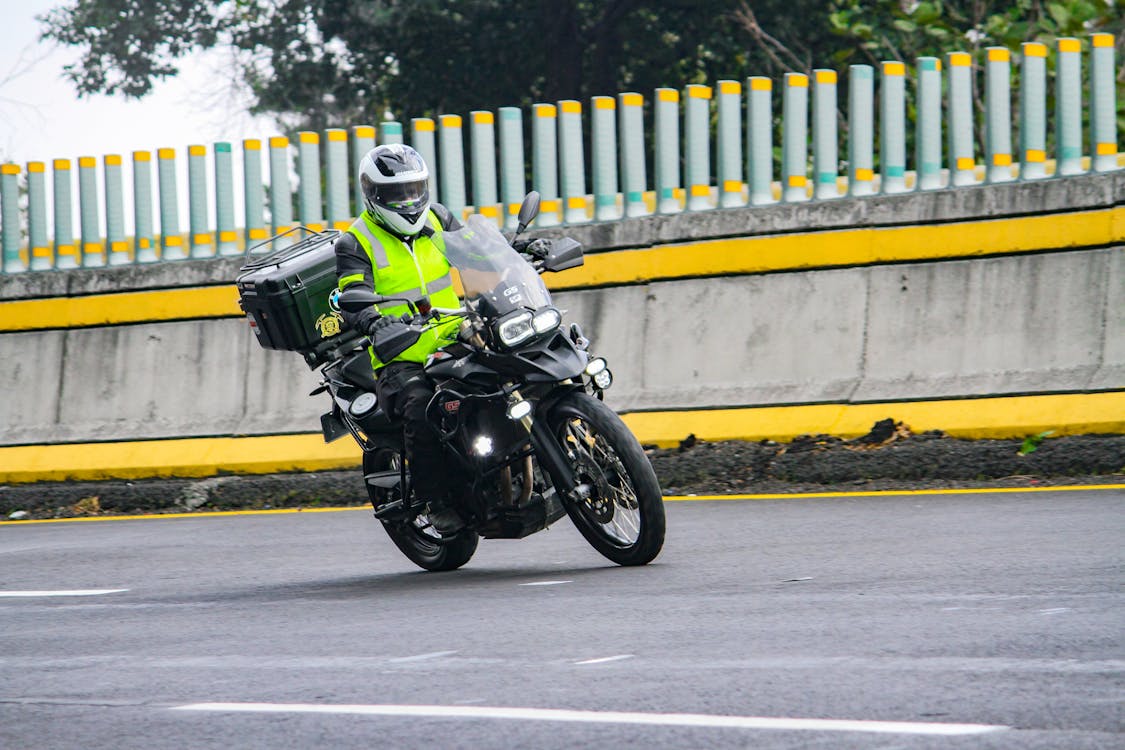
(1033, 111)
(482, 145)
(795, 138)
(118, 249)
(13, 260)
(634, 175)
(93, 251)
(66, 251)
(728, 144)
(998, 114)
(759, 136)
(544, 162)
(198, 229)
(424, 141)
(363, 140)
(697, 147)
(861, 130)
(826, 156)
(391, 131)
(338, 213)
(281, 195)
(452, 159)
(962, 162)
(927, 133)
(39, 246)
(308, 173)
(226, 237)
(253, 192)
(572, 162)
(667, 144)
(513, 183)
(144, 234)
(1103, 104)
(892, 127)
(603, 157)
(1068, 107)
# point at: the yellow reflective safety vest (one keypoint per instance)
(398, 272)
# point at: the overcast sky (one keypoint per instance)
(41, 118)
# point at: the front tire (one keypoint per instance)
(415, 538)
(623, 518)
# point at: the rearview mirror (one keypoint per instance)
(357, 300)
(529, 209)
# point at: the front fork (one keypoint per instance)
(558, 465)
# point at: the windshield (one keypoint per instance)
(496, 278)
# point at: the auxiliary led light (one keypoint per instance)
(519, 410)
(603, 379)
(596, 366)
(482, 445)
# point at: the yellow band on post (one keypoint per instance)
(36, 167)
(307, 136)
(797, 81)
(451, 121)
(251, 144)
(424, 125)
(700, 190)
(960, 59)
(865, 175)
(965, 163)
(364, 131)
(166, 153)
(197, 150)
(87, 162)
(336, 134)
(1102, 40)
(483, 118)
(576, 203)
(699, 92)
(1001, 160)
(761, 84)
(826, 76)
(1106, 149)
(998, 55)
(1034, 49)
(668, 95)
(632, 100)
(571, 107)
(257, 234)
(9, 169)
(279, 141)
(730, 87)
(1070, 45)
(61, 163)
(545, 110)
(732, 186)
(112, 160)
(894, 69)
(1035, 156)
(605, 102)
(797, 180)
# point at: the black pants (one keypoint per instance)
(404, 393)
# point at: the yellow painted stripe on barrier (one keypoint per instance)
(1001, 417)
(1069, 45)
(1034, 49)
(726, 257)
(364, 131)
(761, 84)
(894, 69)
(336, 134)
(483, 118)
(122, 307)
(9, 168)
(35, 167)
(632, 100)
(87, 162)
(197, 150)
(424, 125)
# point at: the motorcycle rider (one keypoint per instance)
(395, 249)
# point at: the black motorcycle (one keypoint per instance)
(518, 406)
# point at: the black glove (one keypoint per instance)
(379, 324)
(390, 337)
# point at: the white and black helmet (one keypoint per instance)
(396, 187)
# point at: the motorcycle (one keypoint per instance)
(519, 407)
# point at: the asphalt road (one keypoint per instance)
(894, 618)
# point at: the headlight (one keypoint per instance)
(516, 329)
(596, 365)
(546, 319)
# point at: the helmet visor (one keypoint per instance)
(402, 197)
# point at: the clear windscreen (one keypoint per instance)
(496, 278)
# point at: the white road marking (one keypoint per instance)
(545, 583)
(604, 659)
(70, 592)
(606, 717)
(1054, 611)
(423, 657)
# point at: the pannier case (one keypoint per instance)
(285, 297)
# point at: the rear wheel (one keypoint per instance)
(415, 537)
(623, 517)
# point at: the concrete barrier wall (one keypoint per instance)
(1026, 323)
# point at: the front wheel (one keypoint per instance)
(623, 517)
(414, 537)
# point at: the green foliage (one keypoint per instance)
(1032, 442)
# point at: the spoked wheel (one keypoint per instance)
(623, 518)
(415, 537)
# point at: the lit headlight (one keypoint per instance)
(595, 365)
(547, 319)
(516, 329)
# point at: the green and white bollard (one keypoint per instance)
(391, 132)
(93, 251)
(572, 162)
(363, 140)
(144, 233)
(171, 243)
(119, 254)
(892, 127)
(1103, 104)
(423, 139)
(998, 114)
(253, 193)
(1033, 112)
(667, 143)
(513, 185)
(728, 144)
(962, 162)
(281, 195)
(308, 188)
(42, 257)
(826, 155)
(482, 156)
(452, 159)
(225, 233)
(202, 243)
(66, 251)
(634, 175)
(544, 162)
(603, 140)
(759, 134)
(1068, 107)
(697, 147)
(861, 130)
(927, 133)
(336, 178)
(15, 259)
(795, 138)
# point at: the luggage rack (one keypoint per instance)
(279, 255)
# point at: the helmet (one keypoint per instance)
(396, 187)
